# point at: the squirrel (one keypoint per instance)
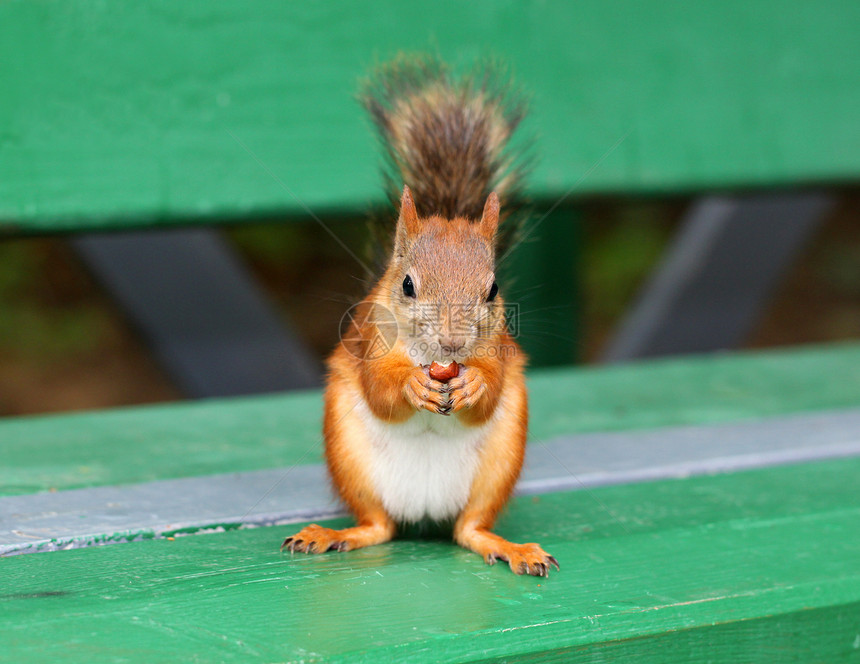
(402, 444)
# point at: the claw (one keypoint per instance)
(525, 559)
(286, 542)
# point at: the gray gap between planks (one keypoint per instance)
(101, 515)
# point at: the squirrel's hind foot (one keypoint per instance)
(521, 558)
(524, 559)
(317, 539)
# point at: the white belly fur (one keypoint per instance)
(423, 467)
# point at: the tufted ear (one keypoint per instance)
(407, 223)
(490, 219)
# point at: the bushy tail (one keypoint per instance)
(447, 137)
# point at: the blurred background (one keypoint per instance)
(231, 135)
(65, 344)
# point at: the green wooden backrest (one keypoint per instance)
(116, 114)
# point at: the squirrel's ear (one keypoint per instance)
(408, 221)
(490, 219)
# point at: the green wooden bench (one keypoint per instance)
(702, 509)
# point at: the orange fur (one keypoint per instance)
(389, 448)
(501, 461)
(490, 392)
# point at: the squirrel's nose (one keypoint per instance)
(452, 345)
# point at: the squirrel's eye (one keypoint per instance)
(494, 290)
(408, 287)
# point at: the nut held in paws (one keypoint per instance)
(443, 373)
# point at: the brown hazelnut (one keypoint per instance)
(444, 373)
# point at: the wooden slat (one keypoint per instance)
(42, 522)
(222, 436)
(117, 114)
(191, 298)
(713, 283)
(757, 566)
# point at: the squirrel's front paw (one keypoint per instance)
(466, 389)
(424, 393)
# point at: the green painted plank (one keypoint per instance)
(102, 515)
(670, 571)
(221, 436)
(162, 442)
(810, 635)
(703, 389)
(156, 111)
